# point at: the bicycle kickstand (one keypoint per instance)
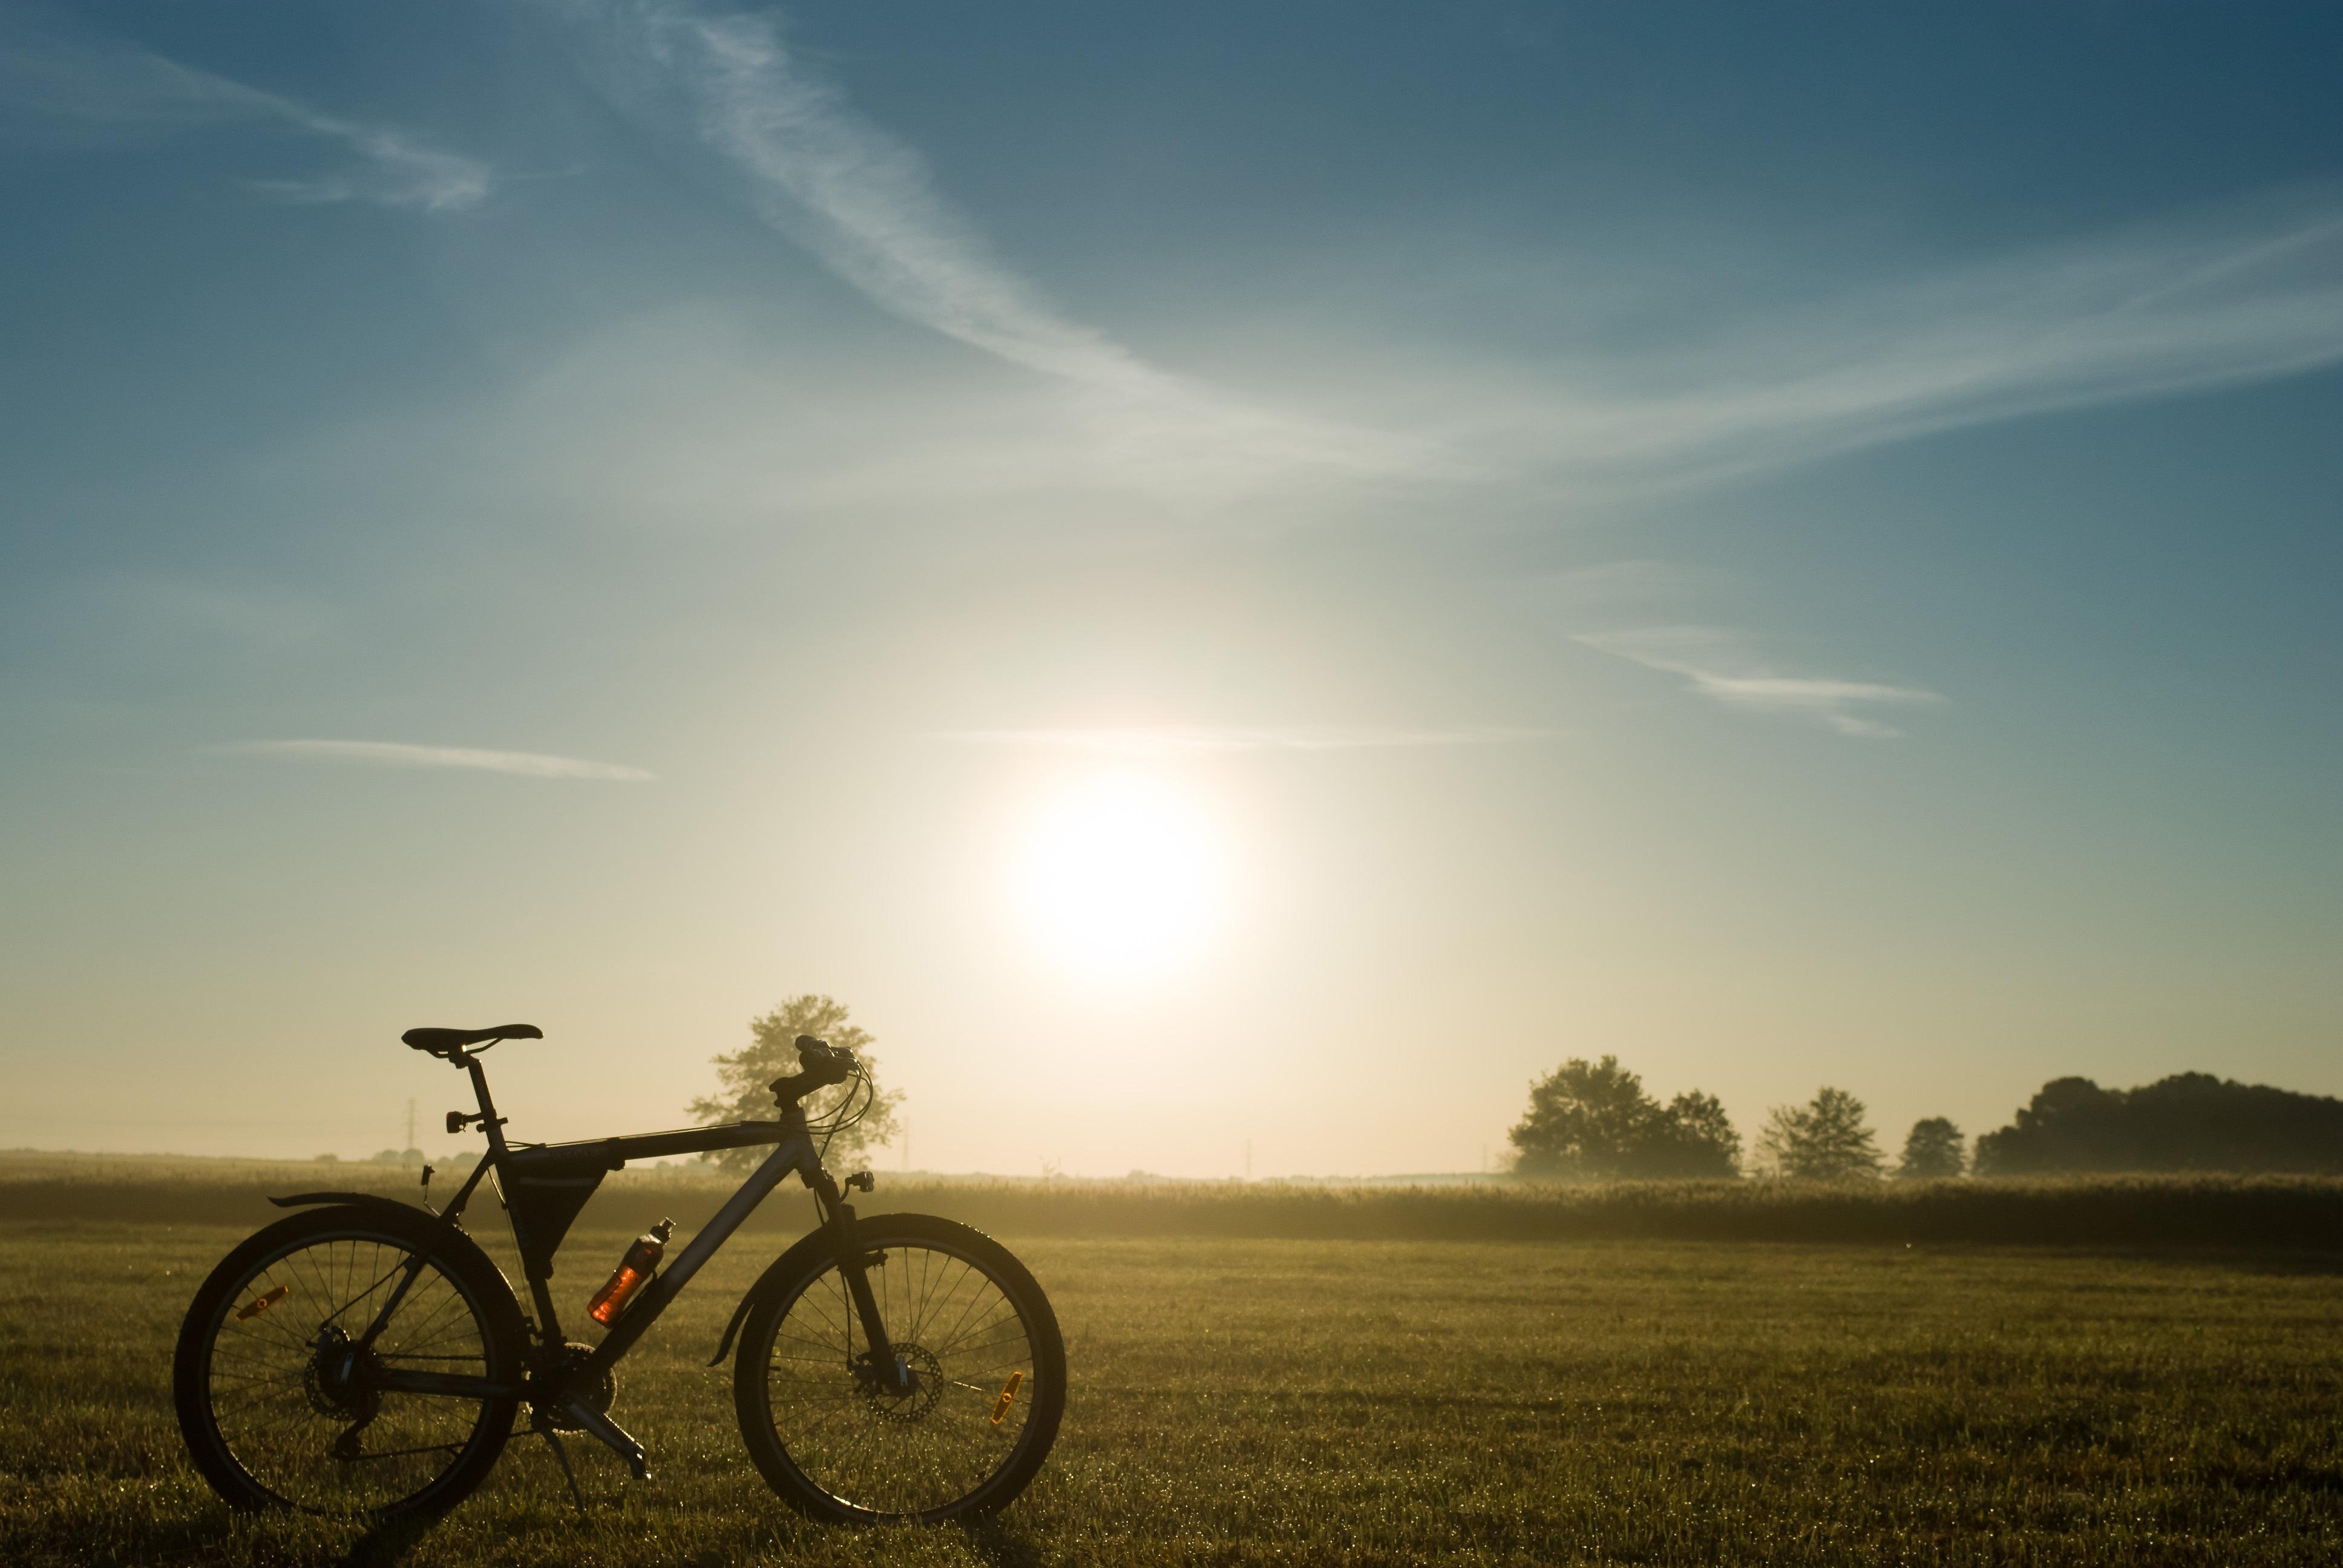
(567, 1475)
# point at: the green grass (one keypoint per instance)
(1239, 1401)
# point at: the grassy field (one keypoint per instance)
(1239, 1401)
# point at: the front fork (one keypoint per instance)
(884, 1366)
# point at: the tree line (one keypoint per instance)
(1594, 1120)
(2189, 1121)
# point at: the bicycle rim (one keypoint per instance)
(931, 1440)
(286, 1382)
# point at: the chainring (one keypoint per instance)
(599, 1395)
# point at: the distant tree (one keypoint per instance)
(2189, 1121)
(1933, 1147)
(1582, 1118)
(745, 1077)
(1826, 1140)
(1592, 1120)
(1693, 1138)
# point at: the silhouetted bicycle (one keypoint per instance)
(365, 1356)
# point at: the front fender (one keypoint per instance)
(814, 1247)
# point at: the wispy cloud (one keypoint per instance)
(863, 202)
(2217, 298)
(1169, 739)
(859, 198)
(116, 88)
(399, 171)
(398, 754)
(1715, 666)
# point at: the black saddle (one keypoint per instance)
(441, 1041)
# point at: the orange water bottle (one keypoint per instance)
(633, 1271)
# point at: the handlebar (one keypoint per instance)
(821, 1064)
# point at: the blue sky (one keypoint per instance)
(1796, 546)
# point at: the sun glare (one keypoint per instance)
(1120, 880)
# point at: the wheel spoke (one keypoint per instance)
(407, 1452)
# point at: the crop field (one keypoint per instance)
(1257, 1400)
(2282, 1212)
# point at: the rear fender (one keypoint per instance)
(457, 1240)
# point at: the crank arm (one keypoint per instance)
(612, 1434)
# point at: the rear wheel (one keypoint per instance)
(958, 1425)
(350, 1360)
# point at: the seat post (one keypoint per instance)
(548, 1324)
(489, 1122)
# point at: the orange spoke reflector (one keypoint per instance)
(1008, 1393)
(259, 1304)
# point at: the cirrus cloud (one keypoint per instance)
(1715, 666)
(399, 754)
(110, 88)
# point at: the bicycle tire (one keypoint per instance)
(249, 1348)
(956, 1302)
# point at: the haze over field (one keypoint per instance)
(1222, 575)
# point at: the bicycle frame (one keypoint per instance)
(793, 1155)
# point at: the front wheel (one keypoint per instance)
(958, 1425)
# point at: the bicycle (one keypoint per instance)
(366, 1355)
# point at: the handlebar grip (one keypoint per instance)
(821, 1067)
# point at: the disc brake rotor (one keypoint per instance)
(890, 1401)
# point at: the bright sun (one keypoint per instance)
(1120, 880)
